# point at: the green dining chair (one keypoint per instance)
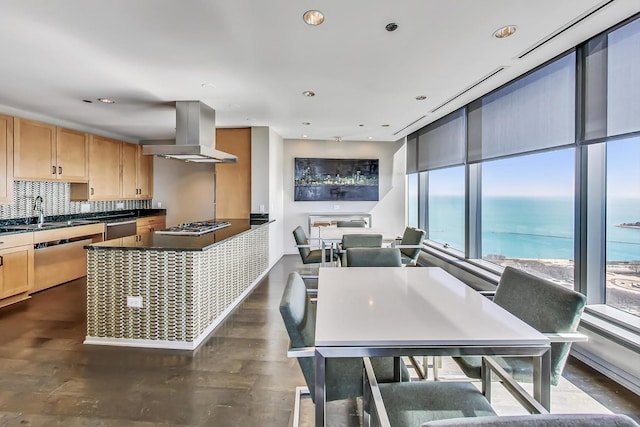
(344, 376)
(309, 255)
(411, 244)
(373, 257)
(358, 241)
(355, 223)
(544, 305)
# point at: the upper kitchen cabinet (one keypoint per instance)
(45, 152)
(6, 159)
(137, 173)
(104, 168)
(72, 154)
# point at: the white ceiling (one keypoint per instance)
(256, 57)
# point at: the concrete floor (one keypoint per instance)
(239, 377)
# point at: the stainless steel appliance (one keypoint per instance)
(195, 228)
(123, 228)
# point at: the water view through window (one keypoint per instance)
(623, 225)
(528, 214)
(446, 207)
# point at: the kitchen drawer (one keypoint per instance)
(18, 239)
(149, 224)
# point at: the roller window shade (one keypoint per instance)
(623, 79)
(412, 153)
(533, 113)
(442, 143)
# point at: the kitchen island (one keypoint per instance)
(171, 291)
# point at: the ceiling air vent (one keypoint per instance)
(568, 26)
(458, 95)
(410, 124)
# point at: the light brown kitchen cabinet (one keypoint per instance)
(6, 159)
(137, 173)
(46, 152)
(145, 175)
(34, 150)
(104, 168)
(72, 155)
(233, 180)
(16, 267)
(149, 224)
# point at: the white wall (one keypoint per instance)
(388, 213)
(276, 196)
(185, 189)
(266, 184)
(260, 166)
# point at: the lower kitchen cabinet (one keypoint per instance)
(16, 273)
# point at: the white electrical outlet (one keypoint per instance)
(135, 302)
(261, 208)
(85, 207)
(159, 205)
(119, 205)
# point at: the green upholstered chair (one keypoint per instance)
(540, 420)
(358, 241)
(544, 305)
(411, 404)
(309, 255)
(373, 257)
(344, 376)
(352, 223)
(411, 244)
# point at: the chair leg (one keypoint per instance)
(296, 404)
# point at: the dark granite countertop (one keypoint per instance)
(165, 242)
(27, 225)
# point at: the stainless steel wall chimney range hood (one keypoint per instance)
(195, 136)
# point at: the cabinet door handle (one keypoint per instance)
(60, 170)
(54, 170)
(92, 191)
(1, 261)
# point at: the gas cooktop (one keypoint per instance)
(195, 228)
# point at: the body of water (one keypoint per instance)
(532, 227)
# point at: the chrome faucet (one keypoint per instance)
(37, 206)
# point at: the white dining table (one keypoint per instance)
(331, 235)
(416, 311)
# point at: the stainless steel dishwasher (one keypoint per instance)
(123, 228)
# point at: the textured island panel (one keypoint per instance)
(184, 293)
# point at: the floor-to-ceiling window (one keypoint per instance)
(527, 213)
(623, 225)
(446, 207)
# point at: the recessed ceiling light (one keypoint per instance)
(338, 139)
(106, 101)
(208, 85)
(309, 93)
(370, 137)
(304, 136)
(420, 98)
(313, 17)
(306, 123)
(505, 31)
(391, 26)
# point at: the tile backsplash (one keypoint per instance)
(56, 201)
